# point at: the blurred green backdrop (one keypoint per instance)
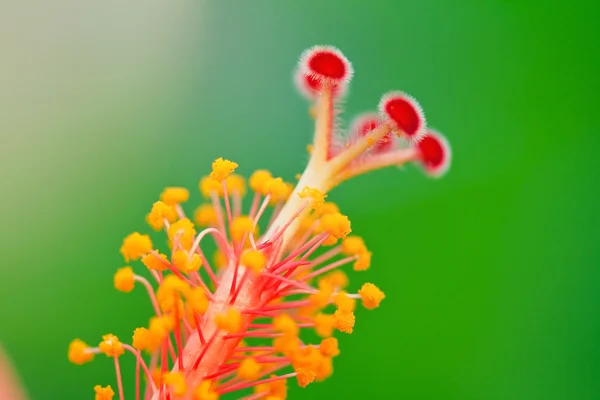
(491, 274)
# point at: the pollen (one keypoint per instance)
(230, 321)
(176, 381)
(353, 245)
(155, 261)
(182, 230)
(343, 302)
(240, 227)
(249, 369)
(336, 279)
(254, 260)
(363, 262)
(186, 263)
(317, 197)
(205, 391)
(197, 301)
(160, 213)
(236, 184)
(205, 215)
(285, 324)
(324, 324)
(337, 225)
(286, 344)
(371, 296)
(305, 377)
(111, 346)
(124, 279)
(174, 195)
(221, 169)
(103, 393)
(344, 321)
(329, 347)
(276, 389)
(141, 339)
(208, 186)
(259, 179)
(79, 352)
(135, 246)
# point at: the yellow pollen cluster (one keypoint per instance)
(103, 393)
(221, 169)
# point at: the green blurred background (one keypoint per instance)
(491, 274)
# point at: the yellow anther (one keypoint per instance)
(170, 292)
(240, 226)
(276, 389)
(103, 393)
(142, 339)
(159, 328)
(159, 213)
(205, 216)
(254, 260)
(174, 195)
(205, 391)
(182, 231)
(323, 368)
(363, 262)
(336, 279)
(155, 261)
(343, 302)
(209, 186)
(277, 189)
(328, 208)
(329, 347)
(176, 382)
(259, 179)
(371, 296)
(197, 301)
(353, 245)
(322, 298)
(286, 344)
(185, 263)
(309, 148)
(221, 169)
(220, 259)
(111, 346)
(124, 279)
(236, 184)
(135, 246)
(337, 225)
(249, 369)
(317, 197)
(324, 324)
(344, 321)
(305, 376)
(230, 321)
(79, 352)
(285, 324)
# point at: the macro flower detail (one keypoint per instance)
(236, 324)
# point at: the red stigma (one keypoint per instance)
(311, 86)
(405, 112)
(326, 63)
(434, 153)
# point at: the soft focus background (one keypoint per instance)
(491, 273)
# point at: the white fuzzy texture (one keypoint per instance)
(441, 170)
(304, 63)
(422, 125)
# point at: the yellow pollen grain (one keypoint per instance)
(371, 296)
(221, 169)
(124, 279)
